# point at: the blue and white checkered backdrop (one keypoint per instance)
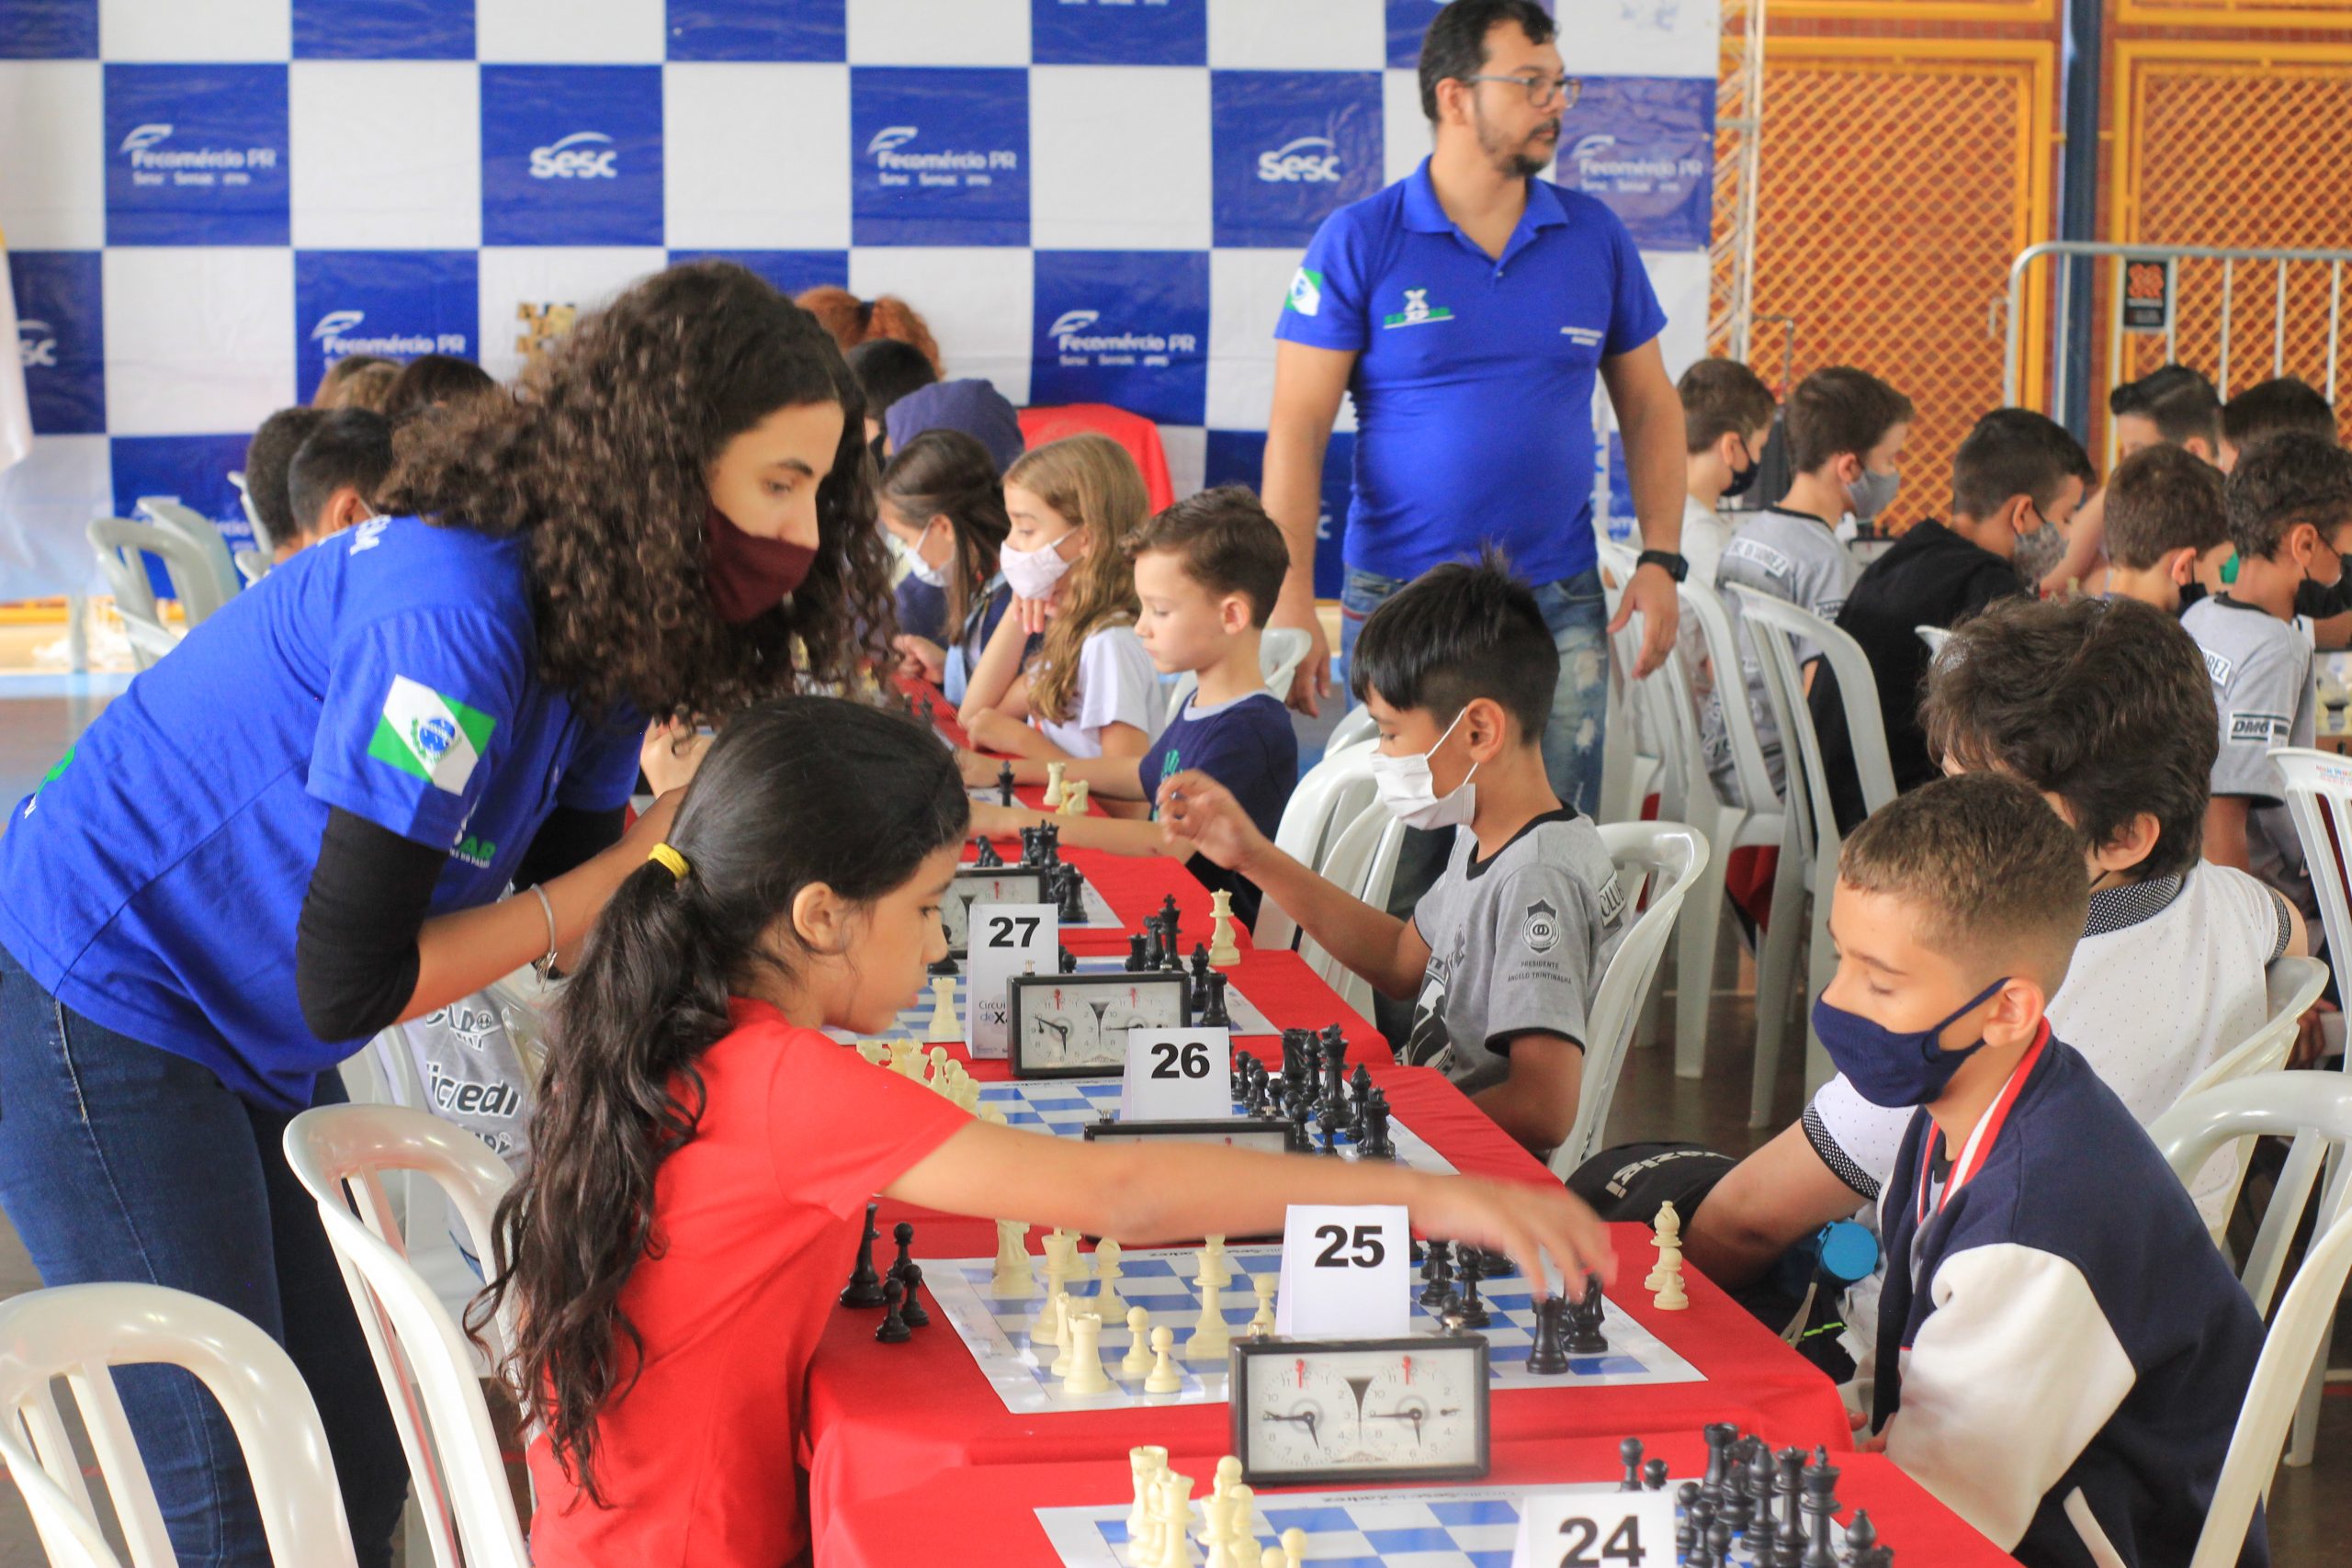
(205, 201)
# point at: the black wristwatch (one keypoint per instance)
(1673, 565)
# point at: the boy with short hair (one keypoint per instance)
(268, 457)
(2167, 974)
(2167, 533)
(1846, 433)
(1505, 951)
(2289, 509)
(2073, 1349)
(2013, 480)
(1727, 413)
(2171, 406)
(2269, 408)
(1207, 572)
(341, 465)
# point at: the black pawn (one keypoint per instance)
(1861, 1537)
(1437, 1270)
(1214, 1013)
(1585, 1315)
(1068, 961)
(1686, 1526)
(1719, 1536)
(865, 1287)
(1200, 967)
(1004, 784)
(894, 1330)
(1548, 1357)
(1471, 1270)
(1377, 1144)
(1630, 1452)
(910, 1278)
(904, 1234)
(1070, 891)
(1702, 1516)
(1654, 1475)
(1136, 964)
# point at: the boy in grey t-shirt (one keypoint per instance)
(1505, 951)
(1846, 431)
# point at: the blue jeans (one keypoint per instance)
(122, 1162)
(1579, 616)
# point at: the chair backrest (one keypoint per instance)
(1774, 628)
(79, 1333)
(340, 1154)
(1356, 724)
(2290, 986)
(204, 534)
(1664, 725)
(1332, 795)
(1363, 863)
(2314, 1110)
(1281, 650)
(1749, 773)
(251, 564)
(1656, 862)
(1934, 637)
(2319, 796)
(262, 541)
(121, 547)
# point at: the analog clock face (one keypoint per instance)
(1374, 1409)
(1074, 1025)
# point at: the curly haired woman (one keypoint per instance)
(301, 828)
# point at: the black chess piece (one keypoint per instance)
(1329, 1143)
(1069, 890)
(1702, 1518)
(1214, 1012)
(910, 1278)
(1862, 1538)
(1028, 848)
(1436, 1275)
(1686, 1498)
(1547, 1355)
(1068, 959)
(1820, 1483)
(1151, 954)
(903, 1232)
(1585, 1316)
(985, 858)
(1630, 1452)
(1377, 1144)
(894, 1330)
(1049, 842)
(1301, 1140)
(1134, 963)
(1654, 1475)
(1169, 923)
(1719, 1436)
(1719, 1536)
(1200, 968)
(1004, 784)
(865, 1287)
(1760, 1528)
(1738, 1508)
(1468, 1272)
(946, 966)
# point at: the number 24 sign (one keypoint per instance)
(1616, 1529)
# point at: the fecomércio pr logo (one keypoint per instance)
(196, 155)
(1644, 146)
(398, 304)
(1288, 147)
(939, 156)
(1122, 327)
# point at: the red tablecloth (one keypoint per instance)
(986, 1518)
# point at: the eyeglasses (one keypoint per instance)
(1541, 90)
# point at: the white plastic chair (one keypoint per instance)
(79, 1333)
(121, 546)
(1726, 825)
(201, 530)
(1362, 861)
(262, 541)
(1934, 637)
(1661, 861)
(2313, 1109)
(1630, 741)
(1355, 725)
(2291, 987)
(1333, 793)
(340, 1154)
(1773, 628)
(251, 564)
(1281, 650)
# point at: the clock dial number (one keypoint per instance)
(1624, 1545)
(1362, 1249)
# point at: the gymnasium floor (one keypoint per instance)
(40, 713)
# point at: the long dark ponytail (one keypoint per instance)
(795, 792)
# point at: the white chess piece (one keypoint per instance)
(1668, 1229)
(1263, 1322)
(1145, 1464)
(1061, 1335)
(1271, 1558)
(945, 1025)
(1137, 1361)
(1163, 1377)
(1175, 1520)
(1086, 1375)
(1041, 1332)
(1213, 1262)
(1223, 952)
(875, 1050)
(1052, 796)
(1106, 1269)
(1013, 1276)
(1211, 1340)
(1293, 1548)
(904, 1054)
(1240, 1519)
(1670, 1296)
(1074, 1262)
(942, 1070)
(1073, 799)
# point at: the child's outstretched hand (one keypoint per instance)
(976, 770)
(992, 821)
(995, 730)
(1200, 814)
(1535, 1225)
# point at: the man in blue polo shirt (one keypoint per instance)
(1468, 308)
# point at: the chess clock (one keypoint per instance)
(1267, 1135)
(1007, 885)
(1307, 1412)
(1070, 1026)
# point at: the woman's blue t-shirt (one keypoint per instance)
(152, 882)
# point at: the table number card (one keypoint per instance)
(1595, 1529)
(1005, 939)
(1346, 1273)
(1176, 1074)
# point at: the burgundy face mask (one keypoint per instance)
(748, 575)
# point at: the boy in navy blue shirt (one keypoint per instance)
(2061, 1350)
(1207, 572)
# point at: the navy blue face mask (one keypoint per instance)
(1891, 1068)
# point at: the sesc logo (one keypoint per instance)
(583, 155)
(36, 345)
(1303, 160)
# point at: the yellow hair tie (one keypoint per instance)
(672, 859)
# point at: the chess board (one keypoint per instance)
(1066, 1107)
(1447, 1526)
(915, 1021)
(996, 1329)
(1099, 913)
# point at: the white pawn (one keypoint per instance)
(1271, 1558)
(1263, 1322)
(1086, 1375)
(1241, 1529)
(1013, 1276)
(1106, 1269)
(1137, 1361)
(945, 1025)
(1061, 1336)
(942, 1071)
(1042, 1331)
(1163, 1377)
(1210, 1339)
(1223, 952)
(1052, 796)
(1293, 1548)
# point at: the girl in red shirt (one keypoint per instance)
(702, 1152)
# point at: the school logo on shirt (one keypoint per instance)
(1305, 291)
(66, 761)
(2260, 728)
(1542, 927)
(476, 852)
(1418, 310)
(430, 737)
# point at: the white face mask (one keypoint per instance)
(922, 571)
(1410, 795)
(1033, 573)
